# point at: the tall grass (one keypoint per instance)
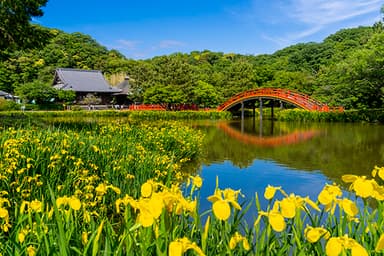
(370, 115)
(135, 115)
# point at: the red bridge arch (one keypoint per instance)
(275, 141)
(299, 99)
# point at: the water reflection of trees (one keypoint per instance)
(341, 148)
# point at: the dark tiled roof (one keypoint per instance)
(5, 94)
(82, 81)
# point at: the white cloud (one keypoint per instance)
(276, 40)
(313, 16)
(324, 12)
(165, 44)
(127, 44)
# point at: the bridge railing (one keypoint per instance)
(297, 98)
(146, 107)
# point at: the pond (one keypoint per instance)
(299, 157)
(248, 155)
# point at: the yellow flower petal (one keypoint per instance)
(358, 250)
(269, 192)
(21, 236)
(175, 249)
(230, 194)
(363, 187)
(36, 205)
(101, 189)
(325, 198)
(333, 247)
(75, 203)
(312, 204)
(197, 181)
(349, 207)
(288, 208)
(214, 198)
(84, 237)
(314, 234)
(61, 201)
(146, 189)
(235, 204)
(155, 206)
(145, 219)
(232, 243)
(349, 178)
(246, 244)
(378, 192)
(221, 209)
(380, 244)
(3, 213)
(31, 251)
(381, 173)
(277, 221)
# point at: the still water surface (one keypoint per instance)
(300, 157)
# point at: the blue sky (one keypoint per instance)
(146, 28)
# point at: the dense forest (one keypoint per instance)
(345, 69)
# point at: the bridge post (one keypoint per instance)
(242, 116)
(261, 108)
(273, 103)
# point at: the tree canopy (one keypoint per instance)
(15, 28)
(345, 69)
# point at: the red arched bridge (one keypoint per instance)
(299, 99)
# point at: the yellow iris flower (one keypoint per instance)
(286, 208)
(364, 187)
(275, 219)
(337, 245)
(222, 199)
(378, 171)
(72, 201)
(36, 205)
(313, 234)
(329, 196)
(22, 234)
(197, 181)
(237, 238)
(31, 251)
(270, 192)
(179, 246)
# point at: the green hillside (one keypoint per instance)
(345, 69)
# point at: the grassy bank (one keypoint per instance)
(371, 116)
(135, 115)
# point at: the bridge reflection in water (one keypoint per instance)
(314, 154)
(272, 140)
